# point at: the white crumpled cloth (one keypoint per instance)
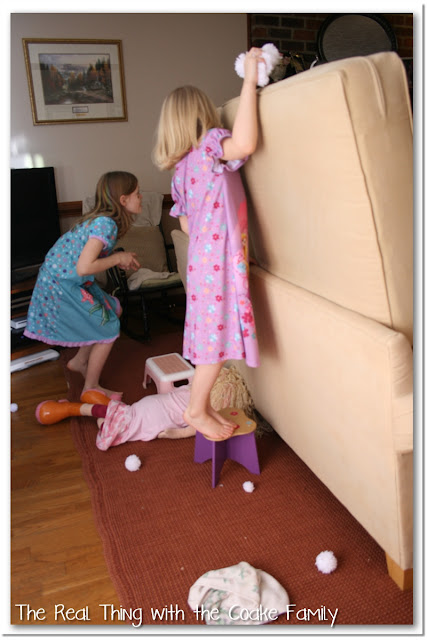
(238, 595)
(143, 274)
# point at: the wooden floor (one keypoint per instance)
(56, 553)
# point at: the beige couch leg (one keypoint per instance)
(402, 577)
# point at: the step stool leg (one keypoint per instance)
(202, 448)
(147, 378)
(219, 456)
(242, 449)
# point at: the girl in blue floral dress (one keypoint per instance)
(211, 205)
(67, 307)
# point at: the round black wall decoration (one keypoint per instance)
(344, 35)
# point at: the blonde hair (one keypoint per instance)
(186, 115)
(111, 186)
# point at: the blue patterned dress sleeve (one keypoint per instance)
(104, 229)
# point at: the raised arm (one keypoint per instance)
(244, 136)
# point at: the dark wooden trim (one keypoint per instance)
(70, 209)
(22, 287)
(75, 208)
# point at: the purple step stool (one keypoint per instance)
(240, 447)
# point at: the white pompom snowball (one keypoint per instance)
(326, 562)
(248, 486)
(132, 463)
(271, 57)
(13, 407)
(239, 65)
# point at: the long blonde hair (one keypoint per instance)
(110, 187)
(186, 115)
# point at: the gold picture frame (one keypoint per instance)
(75, 81)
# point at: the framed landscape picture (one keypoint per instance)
(73, 81)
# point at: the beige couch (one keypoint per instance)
(330, 217)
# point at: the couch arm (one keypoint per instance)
(403, 423)
(337, 387)
(180, 241)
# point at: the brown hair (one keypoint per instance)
(186, 115)
(111, 186)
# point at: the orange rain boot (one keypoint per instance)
(94, 396)
(51, 412)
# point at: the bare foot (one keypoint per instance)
(220, 418)
(115, 395)
(177, 434)
(208, 426)
(77, 366)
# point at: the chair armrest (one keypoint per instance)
(180, 241)
(117, 278)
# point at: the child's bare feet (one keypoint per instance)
(219, 418)
(76, 365)
(208, 425)
(177, 434)
(115, 395)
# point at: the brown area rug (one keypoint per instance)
(164, 526)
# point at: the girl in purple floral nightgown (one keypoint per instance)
(67, 307)
(210, 202)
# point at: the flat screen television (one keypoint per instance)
(34, 219)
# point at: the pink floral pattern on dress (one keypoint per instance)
(219, 321)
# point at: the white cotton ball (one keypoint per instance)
(271, 55)
(263, 78)
(326, 562)
(13, 407)
(132, 463)
(239, 65)
(248, 486)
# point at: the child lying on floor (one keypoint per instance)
(154, 416)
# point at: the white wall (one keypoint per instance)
(160, 51)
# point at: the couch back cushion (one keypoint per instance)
(330, 185)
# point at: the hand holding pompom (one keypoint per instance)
(269, 59)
